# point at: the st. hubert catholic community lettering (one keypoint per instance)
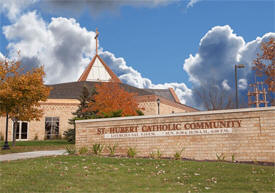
(171, 129)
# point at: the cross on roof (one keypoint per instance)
(96, 38)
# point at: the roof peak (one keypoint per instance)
(98, 70)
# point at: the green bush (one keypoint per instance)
(83, 150)
(233, 157)
(139, 112)
(220, 157)
(112, 149)
(131, 152)
(177, 155)
(70, 150)
(70, 135)
(155, 155)
(98, 148)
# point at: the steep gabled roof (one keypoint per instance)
(73, 90)
(108, 72)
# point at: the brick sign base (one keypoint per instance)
(245, 134)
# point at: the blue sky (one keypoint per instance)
(154, 40)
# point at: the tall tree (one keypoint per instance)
(111, 99)
(86, 97)
(213, 97)
(265, 66)
(20, 93)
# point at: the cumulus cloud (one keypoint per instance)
(219, 50)
(242, 84)
(62, 46)
(97, 6)
(225, 85)
(13, 8)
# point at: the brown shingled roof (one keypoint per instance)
(72, 90)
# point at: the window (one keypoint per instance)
(51, 127)
(21, 129)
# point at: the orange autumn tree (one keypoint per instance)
(21, 92)
(111, 98)
(265, 66)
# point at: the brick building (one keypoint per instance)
(63, 100)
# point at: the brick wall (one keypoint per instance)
(148, 104)
(61, 108)
(254, 140)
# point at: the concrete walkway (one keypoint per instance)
(33, 154)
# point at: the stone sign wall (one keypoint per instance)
(245, 134)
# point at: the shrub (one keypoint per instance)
(177, 155)
(233, 157)
(152, 155)
(70, 150)
(139, 112)
(112, 149)
(131, 152)
(155, 155)
(70, 135)
(98, 148)
(220, 157)
(158, 154)
(83, 150)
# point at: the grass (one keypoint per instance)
(103, 174)
(25, 146)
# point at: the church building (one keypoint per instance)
(63, 100)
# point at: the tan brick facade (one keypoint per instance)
(149, 106)
(253, 140)
(63, 108)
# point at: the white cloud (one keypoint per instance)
(219, 50)
(217, 54)
(225, 85)
(62, 46)
(192, 2)
(13, 8)
(242, 84)
(183, 92)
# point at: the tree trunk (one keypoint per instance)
(15, 125)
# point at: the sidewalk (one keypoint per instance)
(33, 154)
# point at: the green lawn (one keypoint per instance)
(101, 174)
(25, 146)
